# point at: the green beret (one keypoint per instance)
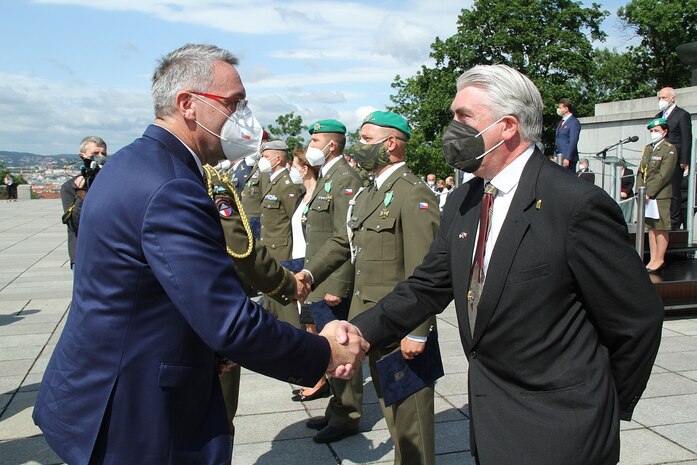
(327, 125)
(657, 122)
(389, 120)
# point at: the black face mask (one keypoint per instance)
(463, 146)
(371, 156)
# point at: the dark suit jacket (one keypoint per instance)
(566, 139)
(586, 175)
(680, 133)
(68, 197)
(568, 324)
(627, 182)
(133, 378)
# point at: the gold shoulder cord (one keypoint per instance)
(225, 179)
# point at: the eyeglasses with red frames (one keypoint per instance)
(234, 104)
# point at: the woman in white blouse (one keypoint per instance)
(302, 173)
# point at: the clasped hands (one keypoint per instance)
(303, 286)
(348, 348)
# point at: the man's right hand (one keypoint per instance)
(348, 348)
(303, 286)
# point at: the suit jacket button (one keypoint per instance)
(473, 354)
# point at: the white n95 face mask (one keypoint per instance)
(241, 134)
(315, 156)
(295, 175)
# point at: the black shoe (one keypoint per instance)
(324, 391)
(656, 270)
(317, 422)
(331, 434)
(297, 391)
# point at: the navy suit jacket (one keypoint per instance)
(133, 378)
(679, 133)
(568, 324)
(566, 140)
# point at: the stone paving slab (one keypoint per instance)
(35, 288)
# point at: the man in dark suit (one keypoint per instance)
(567, 133)
(584, 172)
(133, 378)
(680, 135)
(564, 325)
(73, 190)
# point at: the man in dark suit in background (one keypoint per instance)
(680, 135)
(560, 334)
(133, 378)
(584, 172)
(567, 133)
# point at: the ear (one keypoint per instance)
(184, 102)
(511, 127)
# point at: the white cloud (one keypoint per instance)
(43, 116)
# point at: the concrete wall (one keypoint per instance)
(24, 192)
(616, 121)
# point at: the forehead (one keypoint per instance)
(663, 93)
(273, 153)
(371, 130)
(468, 100)
(226, 81)
(92, 147)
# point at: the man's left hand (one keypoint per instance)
(410, 349)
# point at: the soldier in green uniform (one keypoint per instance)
(279, 200)
(326, 218)
(255, 267)
(392, 225)
(655, 171)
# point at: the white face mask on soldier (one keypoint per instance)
(295, 175)
(315, 156)
(241, 134)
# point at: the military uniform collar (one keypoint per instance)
(328, 166)
(277, 174)
(380, 180)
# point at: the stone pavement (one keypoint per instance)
(35, 284)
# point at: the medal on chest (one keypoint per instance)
(389, 196)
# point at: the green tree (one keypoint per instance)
(547, 40)
(616, 76)
(662, 26)
(289, 129)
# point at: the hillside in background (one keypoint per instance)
(25, 160)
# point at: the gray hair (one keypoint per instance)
(98, 141)
(508, 93)
(190, 67)
(583, 161)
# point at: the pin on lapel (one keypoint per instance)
(538, 205)
(462, 235)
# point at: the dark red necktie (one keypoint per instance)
(475, 287)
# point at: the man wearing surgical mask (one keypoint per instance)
(680, 135)
(133, 377)
(279, 199)
(558, 318)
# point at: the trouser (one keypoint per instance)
(676, 218)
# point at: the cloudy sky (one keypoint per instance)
(70, 68)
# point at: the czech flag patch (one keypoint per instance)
(291, 196)
(423, 206)
(348, 191)
(224, 207)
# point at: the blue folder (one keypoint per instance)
(400, 378)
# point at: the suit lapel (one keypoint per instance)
(462, 239)
(512, 232)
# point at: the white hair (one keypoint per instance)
(508, 92)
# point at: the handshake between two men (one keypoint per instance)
(348, 348)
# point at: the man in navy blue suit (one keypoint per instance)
(566, 139)
(133, 378)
